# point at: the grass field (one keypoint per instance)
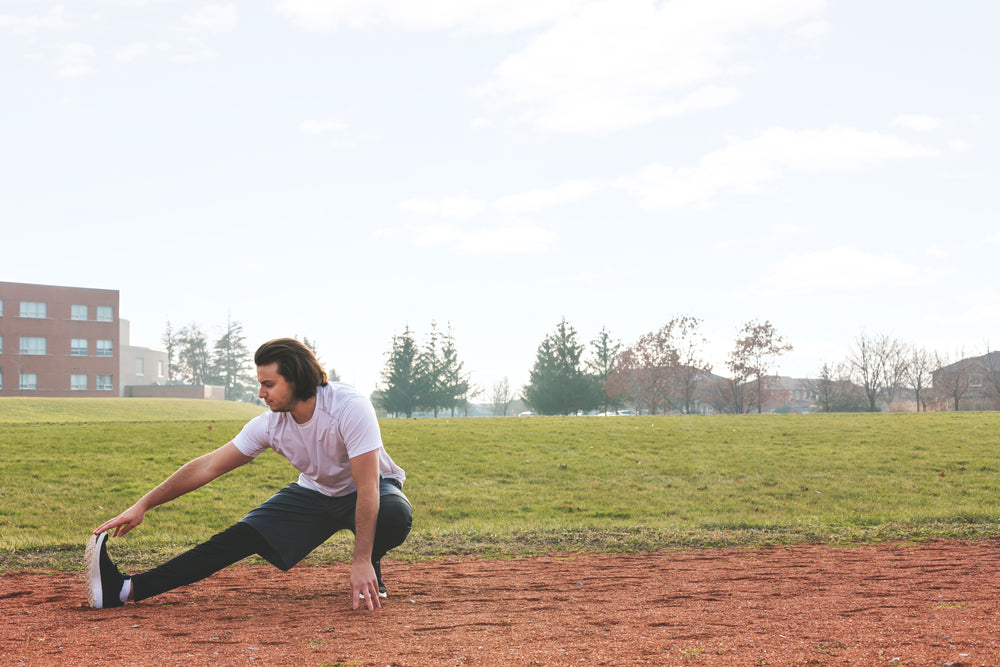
(502, 487)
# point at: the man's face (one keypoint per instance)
(275, 390)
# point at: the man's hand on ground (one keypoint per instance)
(364, 583)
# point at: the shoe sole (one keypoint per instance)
(92, 570)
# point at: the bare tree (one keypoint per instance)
(874, 365)
(758, 347)
(897, 370)
(824, 387)
(170, 341)
(662, 370)
(951, 380)
(834, 390)
(502, 397)
(991, 364)
(918, 374)
(642, 372)
(732, 393)
(692, 368)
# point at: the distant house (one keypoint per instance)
(788, 394)
(968, 384)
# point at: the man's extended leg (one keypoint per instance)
(223, 549)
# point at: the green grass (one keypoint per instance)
(75, 410)
(507, 487)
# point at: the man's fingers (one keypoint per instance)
(117, 527)
(368, 597)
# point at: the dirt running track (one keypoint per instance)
(933, 603)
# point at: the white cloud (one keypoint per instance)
(481, 124)
(464, 206)
(535, 200)
(983, 308)
(789, 230)
(978, 314)
(489, 16)
(509, 240)
(517, 239)
(745, 166)
(839, 269)
(140, 50)
(432, 235)
(936, 251)
(814, 29)
(24, 25)
(593, 65)
(321, 126)
(993, 238)
(958, 145)
(218, 18)
(74, 60)
(917, 123)
(620, 63)
(509, 237)
(459, 206)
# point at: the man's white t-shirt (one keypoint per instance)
(342, 426)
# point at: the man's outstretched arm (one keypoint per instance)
(190, 476)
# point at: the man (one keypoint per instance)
(330, 434)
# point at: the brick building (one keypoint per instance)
(58, 341)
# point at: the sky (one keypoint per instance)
(343, 170)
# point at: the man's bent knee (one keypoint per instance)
(395, 518)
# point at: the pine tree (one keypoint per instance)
(557, 385)
(231, 362)
(192, 355)
(401, 377)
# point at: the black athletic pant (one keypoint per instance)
(241, 540)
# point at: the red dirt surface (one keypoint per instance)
(932, 603)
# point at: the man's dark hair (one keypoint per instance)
(296, 363)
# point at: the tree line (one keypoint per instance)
(664, 371)
(879, 370)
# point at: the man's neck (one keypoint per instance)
(302, 411)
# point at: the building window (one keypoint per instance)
(140, 366)
(104, 383)
(159, 362)
(29, 382)
(78, 382)
(104, 348)
(32, 345)
(78, 347)
(1, 344)
(104, 314)
(78, 313)
(33, 309)
(975, 380)
(1, 307)
(1, 377)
